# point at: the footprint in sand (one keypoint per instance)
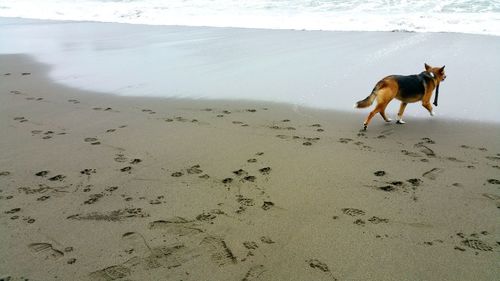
(254, 273)
(20, 119)
(240, 172)
(250, 245)
(227, 180)
(57, 178)
(266, 239)
(145, 258)
(415, 182)
(4, 173)
(87, 172)
(46, 250)
(171, 256)
(493, 181)
(92, 141)
(117, 215)
(359, 222)
(110, 273)
(265, 170)
(126, 169)
(426, 150)
(314, 263)
(353, 212)
(120, 158)
(13, 211)
(493, 197)
(427, 140)
(218, 250)
(249, 178)
(477, 245)
(135, 161)
(176, 226)
(409, 153)
(267, 205)
(148, 111)
(432, 173)
(136, 243)
(93, 198)
(177, 174)
(493, 158)
(377, 220)
(194, 170)
(317, 264)
(43, 198)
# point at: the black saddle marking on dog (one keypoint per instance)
(412, 86)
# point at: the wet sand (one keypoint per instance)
(100, 187)
(321, 69)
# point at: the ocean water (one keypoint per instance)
(465, 16)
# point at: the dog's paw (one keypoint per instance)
(388, 120)
(432, 113)
(400, 121)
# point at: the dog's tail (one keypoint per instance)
(369, 99)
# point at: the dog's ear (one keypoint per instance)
(441, 70)
(427, 67)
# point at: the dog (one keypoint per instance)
(407, 89)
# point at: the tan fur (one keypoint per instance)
(388, 89)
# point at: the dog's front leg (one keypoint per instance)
(400, 113)
(428, 106)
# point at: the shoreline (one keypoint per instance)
(248, 28)
(319, 69)
(101, 187)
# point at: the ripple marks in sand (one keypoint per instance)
(218, 250)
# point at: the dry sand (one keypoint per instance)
(99, 187)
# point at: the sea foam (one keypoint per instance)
(464, 16)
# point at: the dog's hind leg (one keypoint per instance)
(377, 109)
(382, 113)
(400, 113)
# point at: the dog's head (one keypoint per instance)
(437, 72)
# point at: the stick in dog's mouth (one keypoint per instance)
(436, 96)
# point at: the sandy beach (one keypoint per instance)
(103, 187)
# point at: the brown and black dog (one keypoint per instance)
(407, 89)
